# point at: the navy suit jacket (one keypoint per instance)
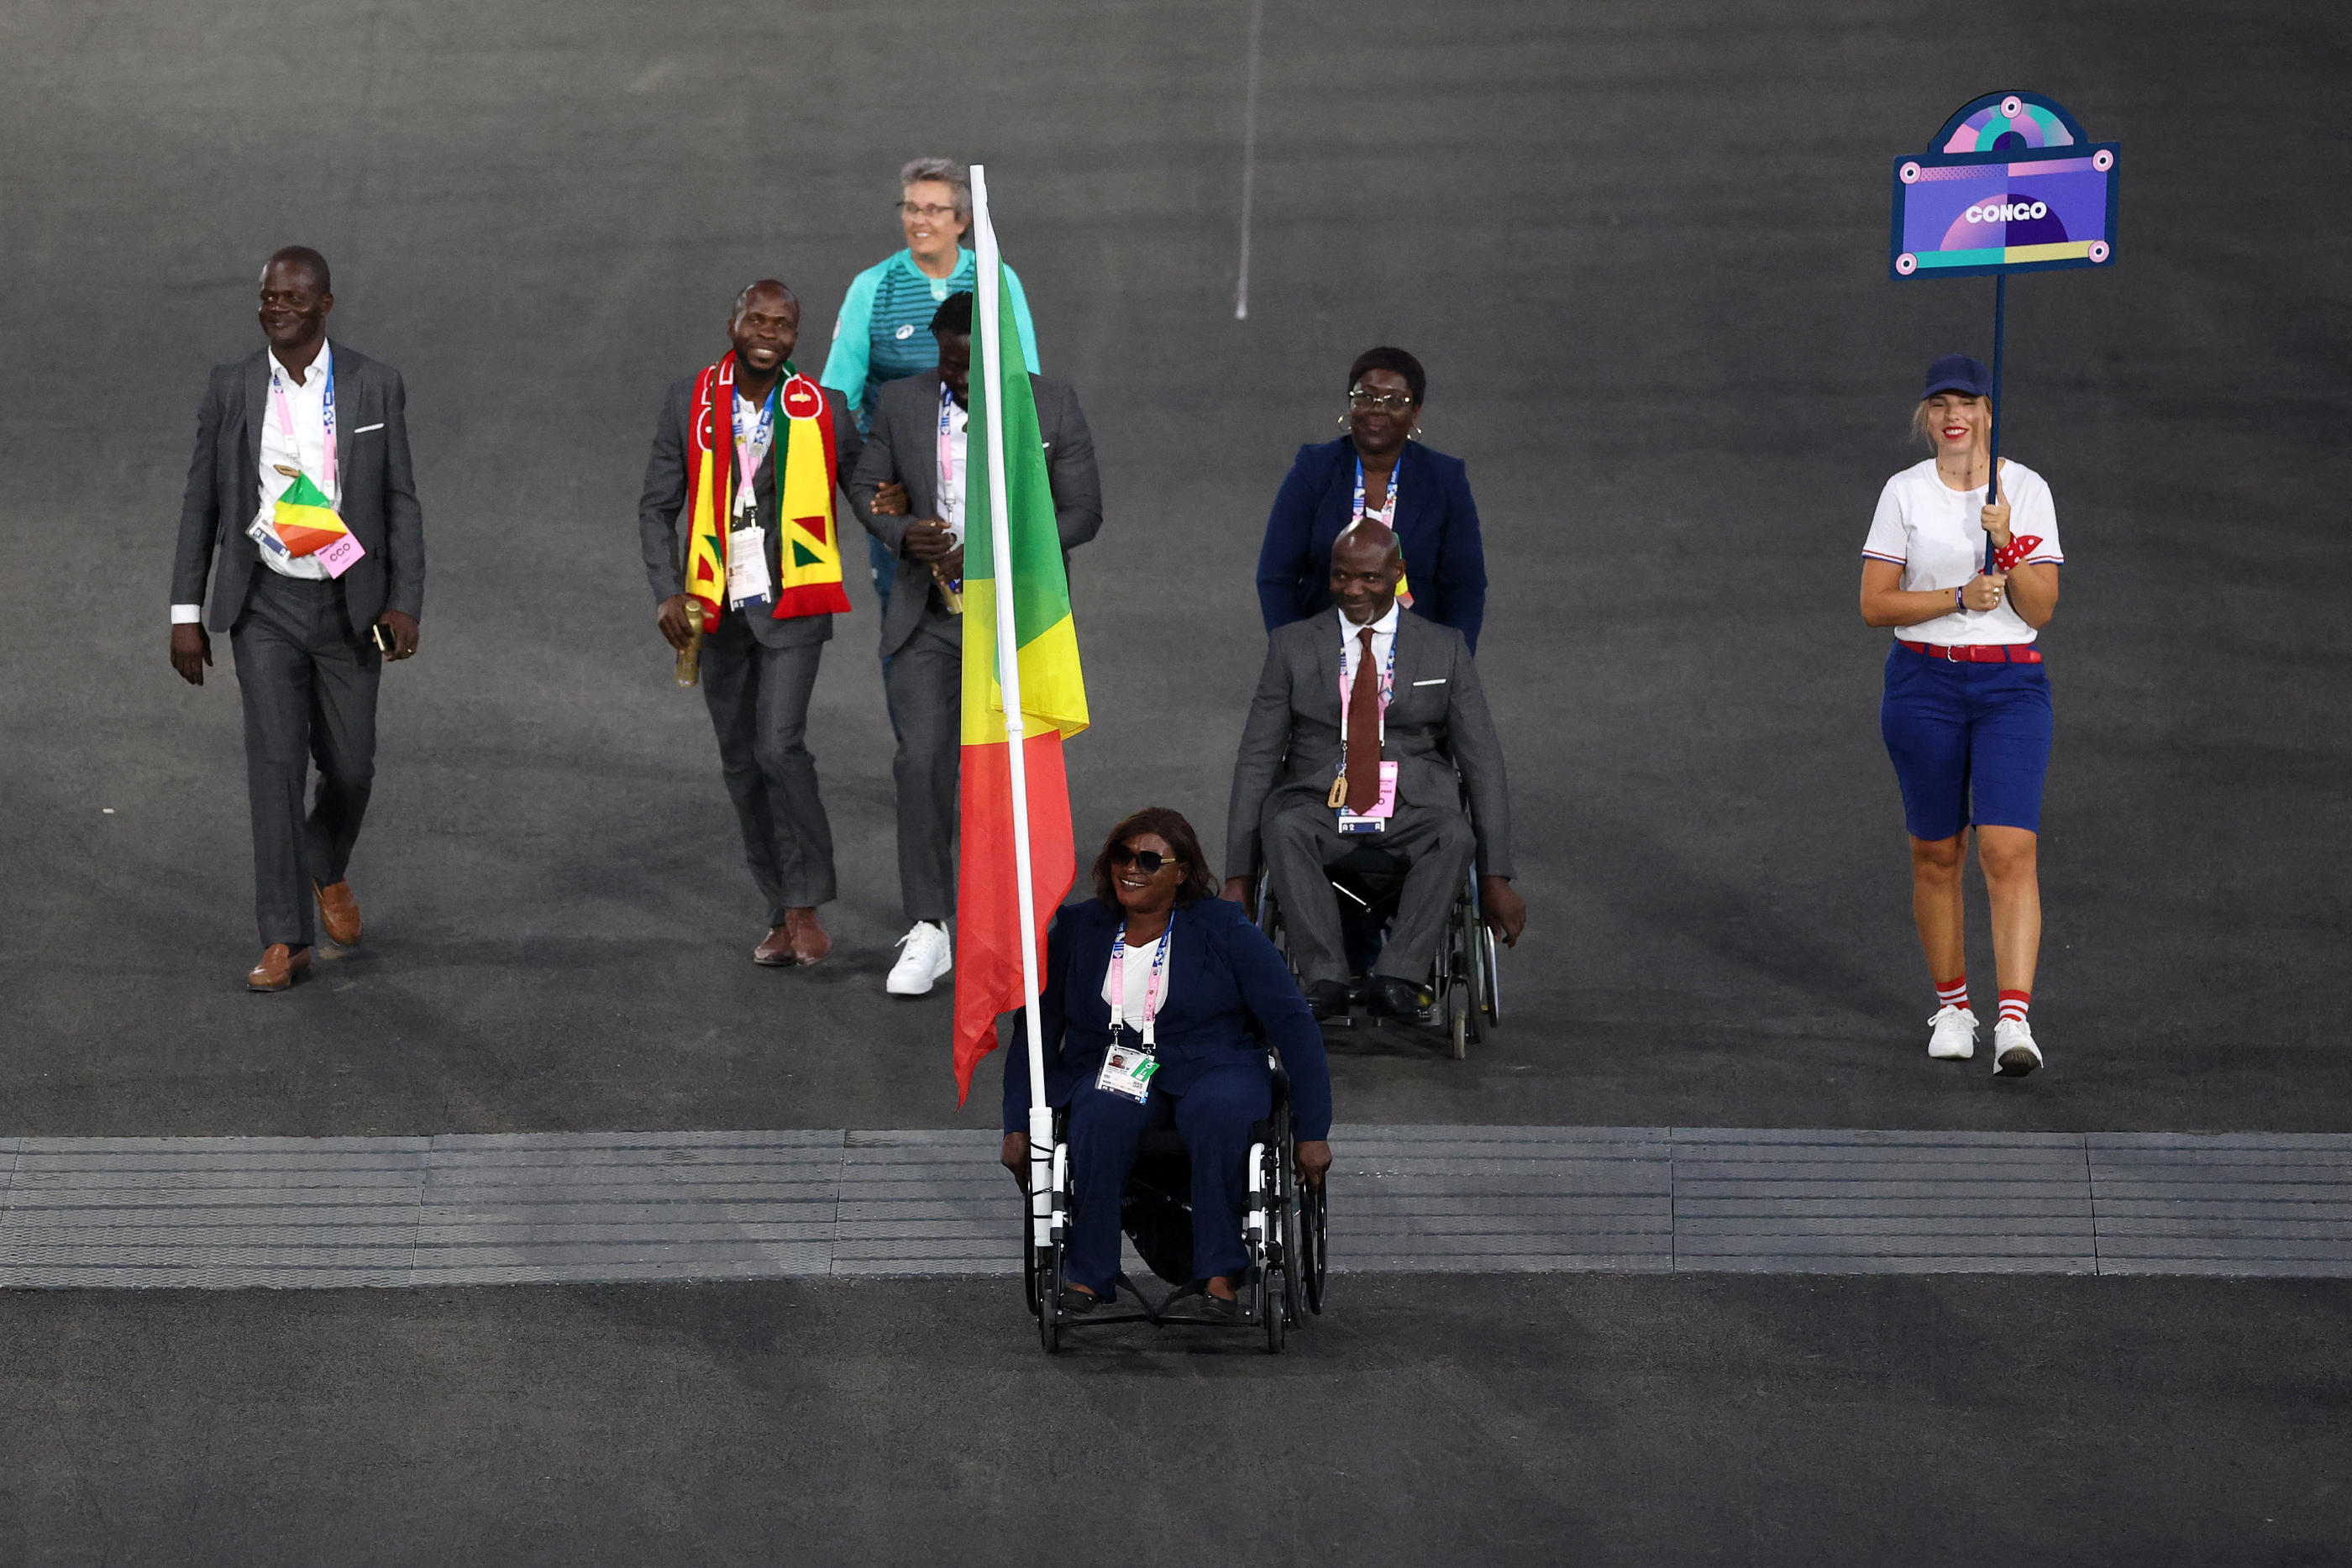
(1230, 996)
(1437, 522)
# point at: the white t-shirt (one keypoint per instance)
(1138, 966)
(1931, 531)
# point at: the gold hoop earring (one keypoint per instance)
(1413, 434)
(1341, 422)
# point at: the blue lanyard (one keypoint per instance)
(1386, 515)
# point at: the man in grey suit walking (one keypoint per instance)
(909, 494)
(322, 430)
(760, 665)
(1368, 724)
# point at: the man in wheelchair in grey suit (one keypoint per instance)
(1362, 681)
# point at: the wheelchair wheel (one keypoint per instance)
(1293, 1312)
(1459, 1007)
(1314, 1250)
(1490, 976)
(1029, 1270)
(1269, 1308)
(1049, 1315)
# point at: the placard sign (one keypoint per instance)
(2012, 184)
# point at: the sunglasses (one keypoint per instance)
(1148, 861)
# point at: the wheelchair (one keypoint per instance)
(1463, 996)
(1282, 1231)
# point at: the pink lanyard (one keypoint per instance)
(326, 414)
(947, 446)
(750, 450)
(1152, 987)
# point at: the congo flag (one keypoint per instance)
(305, 519)
(1053, 703)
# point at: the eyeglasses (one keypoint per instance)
(1148, 861)
(1380, 402)
(932, 212)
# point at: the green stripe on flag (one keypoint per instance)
(1041, 591)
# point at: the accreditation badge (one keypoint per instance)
(1375, 820)
(1126, 1070)
(747, 566)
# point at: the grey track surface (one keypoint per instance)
(500, 1209)
(1594, 1419)
(1641, 249)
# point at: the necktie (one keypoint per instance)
(1364, 730)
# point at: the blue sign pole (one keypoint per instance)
(1993, 476)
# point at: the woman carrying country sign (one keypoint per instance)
(1967, 582)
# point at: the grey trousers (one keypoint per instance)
(1300, 840)
(925, 679)
(758, 700)
(308, 687)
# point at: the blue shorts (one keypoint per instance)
(1970, 742)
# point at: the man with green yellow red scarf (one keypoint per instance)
(738, 527)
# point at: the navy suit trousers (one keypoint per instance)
(1214, 1118)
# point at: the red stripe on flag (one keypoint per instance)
(988, 900)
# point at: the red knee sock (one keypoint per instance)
(1952, 993)
(2013, 1004)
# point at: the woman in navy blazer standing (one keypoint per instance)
(1205, 994)
(1424, 495)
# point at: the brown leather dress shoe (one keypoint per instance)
(775, 949)
(810, 944)
(338, 913)
(280, 967)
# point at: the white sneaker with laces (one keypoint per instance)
(924, 955)
(2015, 1054)
(1952, 1035)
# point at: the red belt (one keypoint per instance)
(1979, 653)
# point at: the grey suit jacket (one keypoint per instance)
(378, 501)
(903, 444)
(1437, 727)
(663, 511)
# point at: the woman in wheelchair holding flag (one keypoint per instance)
(1160, 1001)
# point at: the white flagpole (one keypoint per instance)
(1008, 678)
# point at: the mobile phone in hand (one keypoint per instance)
(384, 639)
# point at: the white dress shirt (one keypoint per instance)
(306, 402)
(1383, 638)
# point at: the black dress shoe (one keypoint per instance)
(1395, 998)
(1077, 1302)
(1327, 1000)
(1193, 1301)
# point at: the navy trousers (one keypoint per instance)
(1213, 1116)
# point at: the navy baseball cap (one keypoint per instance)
(1958, 372)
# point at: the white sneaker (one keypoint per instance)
(1953, 1034)
(924, 955)
(2015, 1054)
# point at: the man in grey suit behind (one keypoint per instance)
(913, 502)
(1367, 681)
(310, 638)
(760, 665)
